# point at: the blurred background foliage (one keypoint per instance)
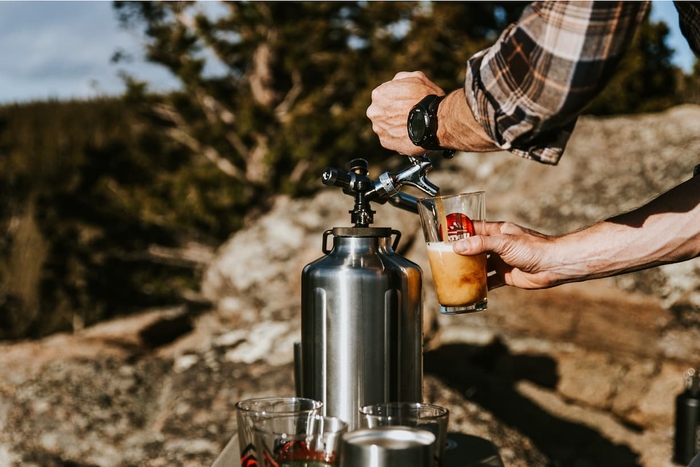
(113, 205)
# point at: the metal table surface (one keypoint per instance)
(461, 451)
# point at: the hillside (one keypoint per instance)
(579, 375)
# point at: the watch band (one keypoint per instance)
(427, 108)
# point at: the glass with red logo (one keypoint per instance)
(301, 440)
(460, 281)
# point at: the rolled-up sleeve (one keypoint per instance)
(528, 89)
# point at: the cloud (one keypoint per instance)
(62, 50)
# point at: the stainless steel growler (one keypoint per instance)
(361, 321)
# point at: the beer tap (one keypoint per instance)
(387, 189)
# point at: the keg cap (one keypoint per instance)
(387, 446)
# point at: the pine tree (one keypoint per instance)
(294, 78)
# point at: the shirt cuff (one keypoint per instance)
(546, 147)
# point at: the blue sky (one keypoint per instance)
(57, 49)
(62, 50)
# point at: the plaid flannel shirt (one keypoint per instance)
(528, 89)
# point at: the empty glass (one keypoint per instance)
(250, 410)
(429, 417)
(301, 440)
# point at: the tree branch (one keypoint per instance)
(182, 134)
(282, 110)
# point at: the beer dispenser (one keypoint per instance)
(361, 302)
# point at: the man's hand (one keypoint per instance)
(665, 230)
(520, 257)
(391, 104)
(393, 101)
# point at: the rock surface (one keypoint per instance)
(576, 376)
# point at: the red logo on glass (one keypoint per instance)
(458, 226)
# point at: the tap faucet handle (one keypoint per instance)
(417, 175)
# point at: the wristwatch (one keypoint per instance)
(423, 124)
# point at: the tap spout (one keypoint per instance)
(389, 185)
(417, 175)
(405, 201)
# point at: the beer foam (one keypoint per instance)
(440, 246)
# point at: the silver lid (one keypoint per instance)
(387, 446)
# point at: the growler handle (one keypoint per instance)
(327, 233)
(397, 237)
(324, 247)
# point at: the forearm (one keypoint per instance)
(458, 129)
(665, 230)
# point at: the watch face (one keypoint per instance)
(417, 125)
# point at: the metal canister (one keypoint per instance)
(687, 435)
(388, 446)
(361, 323)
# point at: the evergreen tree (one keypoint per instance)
(295, 78)
(646, 80)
